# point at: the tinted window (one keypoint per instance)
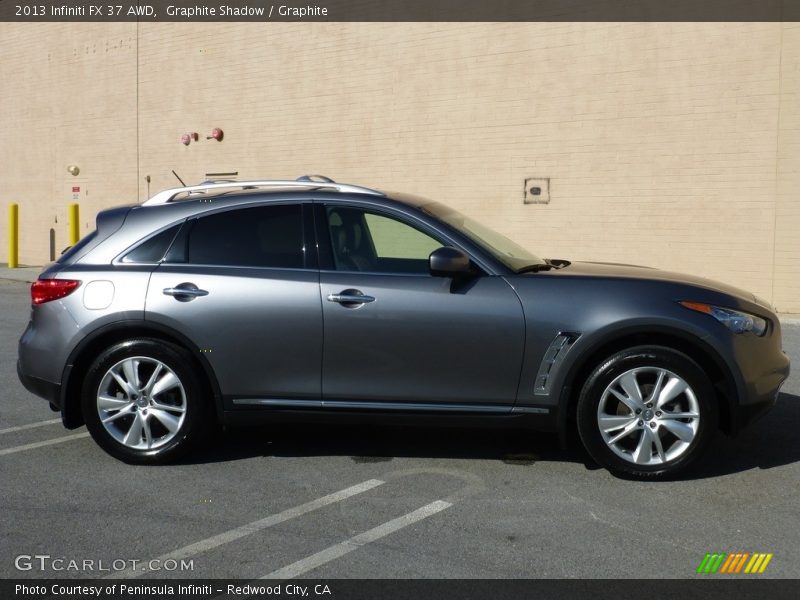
(364, 241)
(177, 251)
(503, 249)
(264, 236)
(393, 239)
(152, 251)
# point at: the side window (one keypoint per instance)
(152, 250)
(365, 241)
(263, 236)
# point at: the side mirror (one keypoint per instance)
(449, 262)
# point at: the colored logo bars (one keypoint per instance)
(737, 562)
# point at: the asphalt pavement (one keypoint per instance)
(380, 502)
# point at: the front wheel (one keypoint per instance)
(142, 401)
(647, 412)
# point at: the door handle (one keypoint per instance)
(184, 292)
(353, 297)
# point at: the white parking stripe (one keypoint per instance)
(66, 438)
(29, 426)
(354, 543)
(240, 532)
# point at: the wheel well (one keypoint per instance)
(721, 380)
(90, 350)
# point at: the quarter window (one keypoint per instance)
(263, 236)
(152, 251)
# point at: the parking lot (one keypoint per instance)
(366, 502)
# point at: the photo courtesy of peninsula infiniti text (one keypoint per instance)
(234, 302)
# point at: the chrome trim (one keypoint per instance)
(552, 359)
(316, 179)
(278, 403)
(398, 406)
(179, 291)
(167, 196)
(534, 410)
(343, 298)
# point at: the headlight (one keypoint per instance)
(736, 321)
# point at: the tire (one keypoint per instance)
(654, 442)
(159, 418)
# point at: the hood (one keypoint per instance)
(623, 271)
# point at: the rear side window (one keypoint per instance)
(152, 250)
(263, 236)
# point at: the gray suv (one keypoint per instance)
(233, 302)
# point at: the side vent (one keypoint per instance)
(552, 360)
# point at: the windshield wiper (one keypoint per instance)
(558, 263)
(550, 263)
(535, 268)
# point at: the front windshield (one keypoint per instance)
(510, 253)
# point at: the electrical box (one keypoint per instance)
(537, 190)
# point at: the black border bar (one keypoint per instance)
(254, 11)
(745, 587)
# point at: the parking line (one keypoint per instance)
(66, 438)
(29, 426)
(240, 532)
(354, 543)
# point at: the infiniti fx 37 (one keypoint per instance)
(230, 302)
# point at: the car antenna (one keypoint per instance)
(178, 178)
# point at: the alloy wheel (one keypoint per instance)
(141, 403)
(648, 416)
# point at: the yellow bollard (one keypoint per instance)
(74, 224)
(13, 236)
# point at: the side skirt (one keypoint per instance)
(255, 411)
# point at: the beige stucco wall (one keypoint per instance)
(675, 145)
(786, 264)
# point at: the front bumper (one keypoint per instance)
(761, 393)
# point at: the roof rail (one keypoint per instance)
(306, 181)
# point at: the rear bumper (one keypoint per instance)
(44, 389)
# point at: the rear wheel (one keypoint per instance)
(647, 412)
(142, 401)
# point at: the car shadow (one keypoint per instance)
(383, 443)
(770, 442)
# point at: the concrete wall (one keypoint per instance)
(786, 263)
(675, 145)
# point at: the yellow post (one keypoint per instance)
(13, 236)
(74, 224)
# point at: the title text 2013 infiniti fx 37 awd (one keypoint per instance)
(232, 301)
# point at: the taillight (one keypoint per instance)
(45, 290)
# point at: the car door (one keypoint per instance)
(239, 284)
(398, 337)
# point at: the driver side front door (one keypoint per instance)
(397, 337)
